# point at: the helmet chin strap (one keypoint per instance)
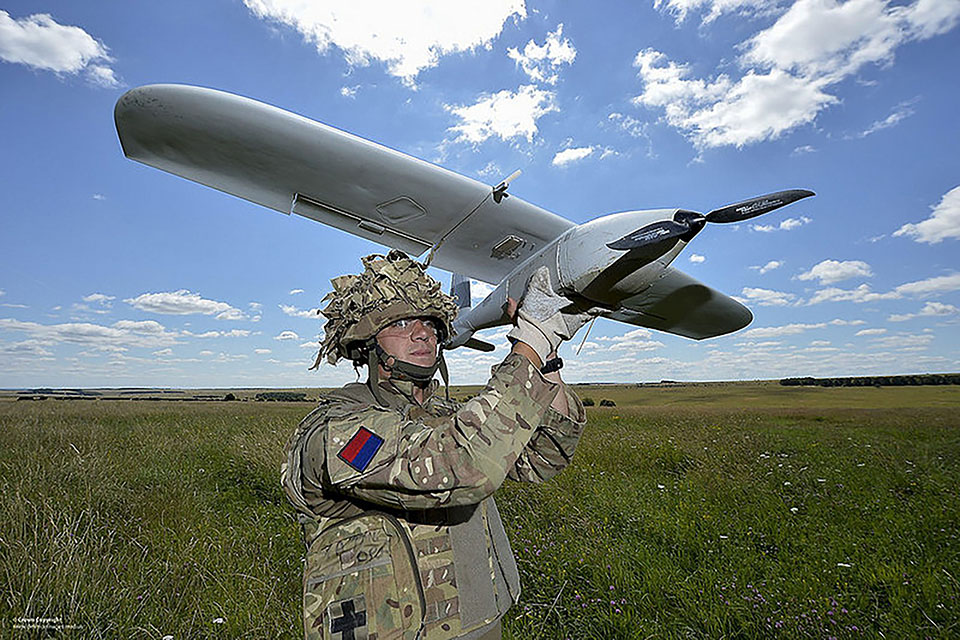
(402, 370)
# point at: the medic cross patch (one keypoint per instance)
(348, 619)
(360, 450)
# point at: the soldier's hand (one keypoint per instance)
(540, 323)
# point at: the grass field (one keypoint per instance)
(707, 511)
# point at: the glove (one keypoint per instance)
(540, 323)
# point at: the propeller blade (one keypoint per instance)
(757, 206)
(649, 235)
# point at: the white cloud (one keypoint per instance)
(286, 335)
(261, 351)
(542, 62)
(680, 8)
(920, 288)
(349, 92)
(803, 150)
(571, 155)
(633, 126)
(505, 114)
(164, 352)
(406, 36)
(294, 312)
(41, 42)
(766, 297)
(479, 291)
(761, 105)
(863, 293)
(183, 302)
(943, 223)
(634, 340)
(902, 111)
(939, 284)
(233, 333)
(870, 332)
(929, 309)
(770, 266)
(788, 68)
(788, 224)
(99, 196)
(839, 322)
(117, 337)
(783, 330)
(696, 258)
(830, 271)
(99, 298)
(294, 292)
(904, 342)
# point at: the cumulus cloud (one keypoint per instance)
(184, 302)
(788, 69)
(760, 106)
(232, 333)
(505, 114)
(696, 258)
(117, 337)
(943, 223)
(294, 292)
(542, 62)
(782, 330)
(349, 92)
(294, 312)
(406, 36)
(41, 42)
(571, 155)
(904, 342)
(770, 266)
(788, 224)
(830, 271)
(286, 335)
(929, 309)
(99, 298)
(479, 291)
(634, 340)
(766, 297)
(870, 332)
(681, 8)
(863, 293)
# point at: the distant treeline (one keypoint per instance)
(281, 396)
(876, 381)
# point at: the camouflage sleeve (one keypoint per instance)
(378, 456)
(552, 445)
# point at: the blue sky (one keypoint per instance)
(116, 274)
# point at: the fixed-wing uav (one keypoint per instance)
(619, 263)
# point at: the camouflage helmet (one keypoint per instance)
(390, 288)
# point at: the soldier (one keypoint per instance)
(394, 483)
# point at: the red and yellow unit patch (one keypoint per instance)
(360, 450)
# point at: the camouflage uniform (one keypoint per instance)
(403, 536)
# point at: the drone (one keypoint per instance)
(618, 265)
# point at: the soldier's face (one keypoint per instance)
(412, 340)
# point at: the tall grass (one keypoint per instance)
(692, 517)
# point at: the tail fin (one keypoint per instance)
(460, 290)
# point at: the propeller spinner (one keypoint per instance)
(686, 224)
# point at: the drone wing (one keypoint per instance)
(292, 164)
(676, 303)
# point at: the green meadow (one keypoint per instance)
(700, 511)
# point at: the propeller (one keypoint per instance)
(686, 224)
